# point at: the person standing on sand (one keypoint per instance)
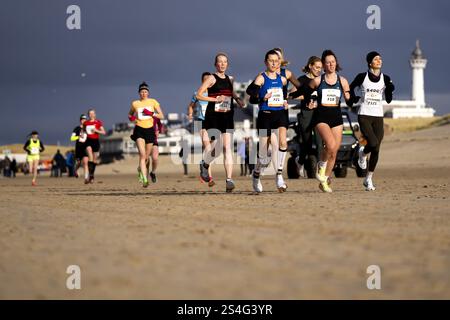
(33, 148)
(373, 85)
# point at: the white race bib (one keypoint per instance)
(141, 115)
(330, 97)
(277, 99)
(373, 97)
(224, 106)
(90, 129)
(83, 137)
(34, 150)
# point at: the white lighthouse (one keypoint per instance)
(418, 64)
(416, 107)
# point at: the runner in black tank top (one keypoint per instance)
(218, 119)
(328, 119)
(312, 69)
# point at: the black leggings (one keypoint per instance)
(306, 127)
(372, 129)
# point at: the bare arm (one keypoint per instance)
(159, 114)
(190, 110)
(235, 96)
(346, 89)
(292, 79)
(208, 83)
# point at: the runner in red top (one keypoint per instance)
(93, 129)
(158, 126)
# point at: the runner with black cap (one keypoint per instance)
(373, 85)
(142, 112)
(33, 148)
(81, 157)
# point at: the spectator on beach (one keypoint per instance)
(59, 164)
(70, 163)
(13, 168)
(7, 167)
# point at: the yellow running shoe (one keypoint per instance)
(320, 174)
(325, 187)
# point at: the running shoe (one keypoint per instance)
(153, 177)
(320, 174)
(211, 182)
(91, 179)
(33, 183)
(368, 184)
(204, 175)
(145, 182)
(325, 187)
(257, 185)
(229, 185)
(281, 186)
(362, 158)
(86, 181)
(140, 175)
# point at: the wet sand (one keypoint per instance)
(179, 239)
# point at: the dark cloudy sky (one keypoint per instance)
(170, 43)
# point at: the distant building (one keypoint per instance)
(416, 107)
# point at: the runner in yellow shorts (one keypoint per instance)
(33, 147)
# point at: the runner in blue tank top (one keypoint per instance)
(268, 89)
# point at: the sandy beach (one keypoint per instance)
(179, 239)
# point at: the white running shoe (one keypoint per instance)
(281, 186)
(257, 185)
(362, 158)
(368, 184)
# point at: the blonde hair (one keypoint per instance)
(284, 62)
(311, 61)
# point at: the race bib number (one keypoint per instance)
(141, 115)
(224, 106)
(90, 129)
(277, 99)
(34, 150)
(330, 97)
(373, 97)
(83, 137)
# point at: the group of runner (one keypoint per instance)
(212, 105)
(320, 109)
